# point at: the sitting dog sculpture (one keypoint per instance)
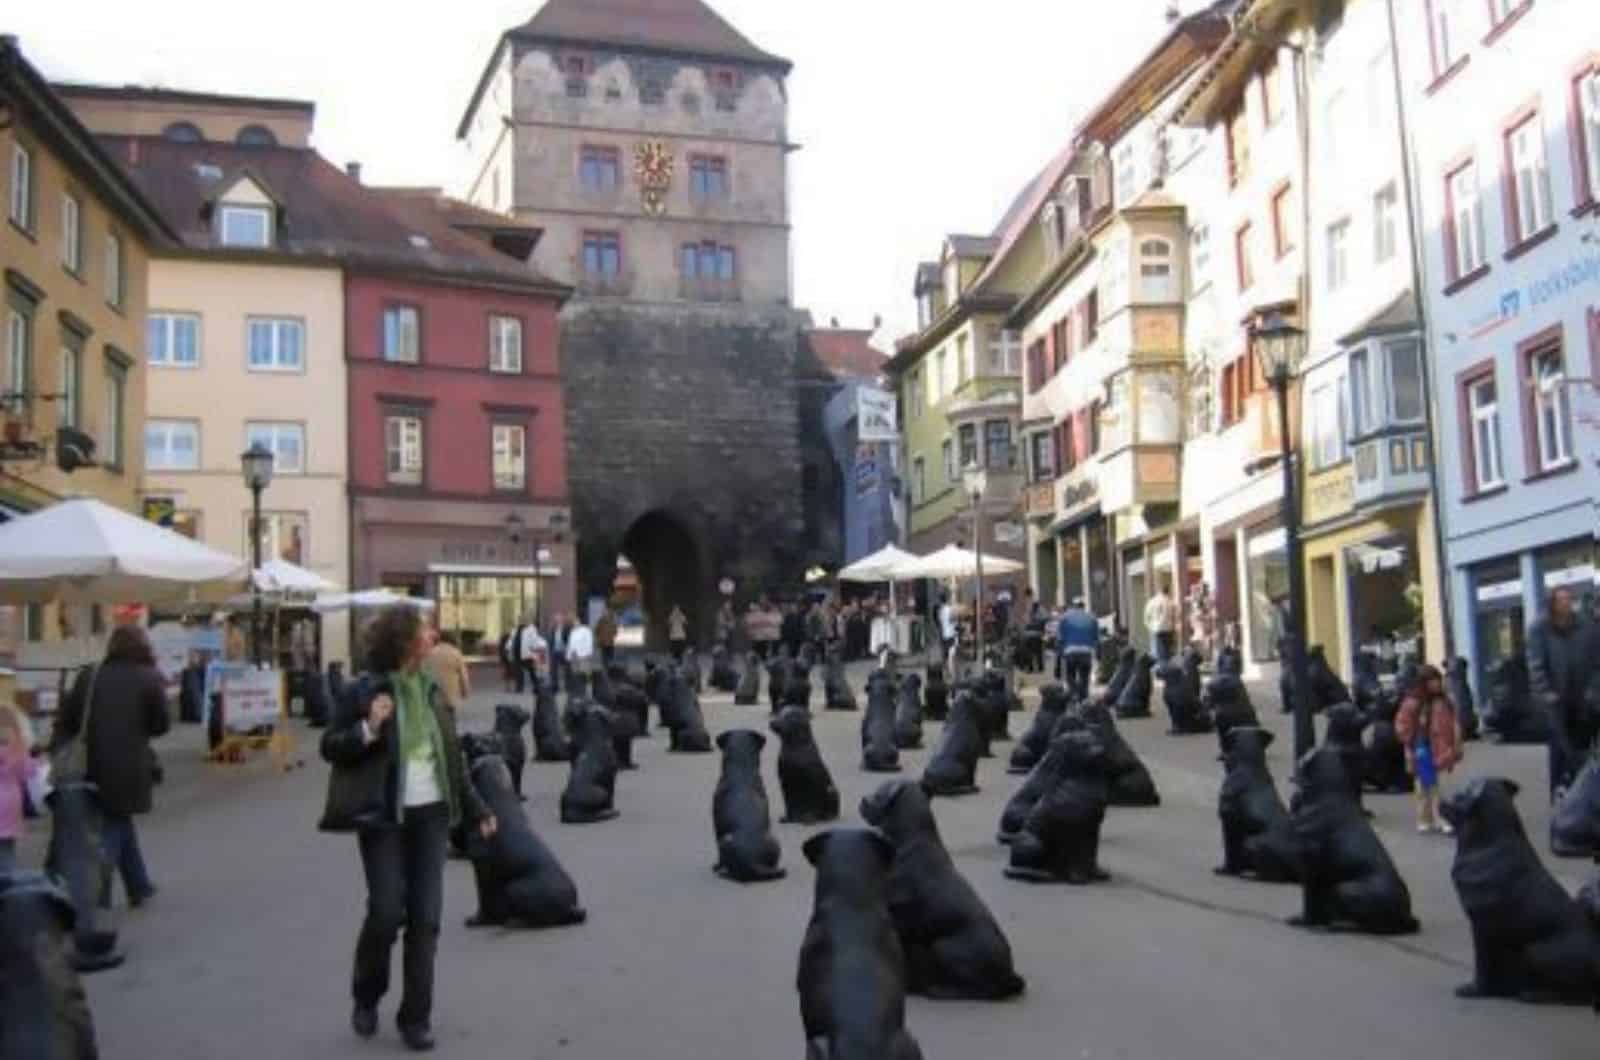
(809, 795)
(1257, 836)
(746, 851)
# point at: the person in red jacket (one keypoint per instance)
(1426, 726)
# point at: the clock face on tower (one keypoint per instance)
(652, 164)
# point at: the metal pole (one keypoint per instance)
(255, 587)
(1304, 732)
(977, 538)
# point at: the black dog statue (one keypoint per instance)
(690, 671)
(1134, 700)
(1383, 761)
(746, 851)
(994, 706)
(519, 880)
(550, 742)
(954, 947)
(44, 1012)
(908, 712)
(1127, 663)
(1509, 714)
(809, 795)
(1053, 701)
(935, 693)
(836, 691)
(1228, 702)
(1257, 836)
(1041, 778)
(1575, 820)
(953, 767)
(688, 734)
(879, 753)
(1181, 692)
(1348, 878)
(1060, 841)
(852, 976)
(76, 858)
(1343, 736)
(1530, 940)
(591, 786)
(748, 694)
(1130, 782)
(723, 676)
(508, 722)
(777, 677)
(1460, 687)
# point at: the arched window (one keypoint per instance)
(183, 132)
(1156, 280)
(256, 136)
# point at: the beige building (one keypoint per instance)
(73, 250)
(246, 331)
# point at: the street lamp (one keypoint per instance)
(517, 531)
(1278, 344)
(256, 463)
(976, 481)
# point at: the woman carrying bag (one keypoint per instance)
(399, 783)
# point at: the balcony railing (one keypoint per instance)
(1393, 462)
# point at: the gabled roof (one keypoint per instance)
(847, 352)
(327, 217)
(685, 27)
(1396, 318)
(504, 233)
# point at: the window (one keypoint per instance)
(182, 132)
(997, 452)
(276, 344)
(1464, 239)
(1552, 417)
(1445, 30)
(71, 407)
(1529, 180)
(1487, 470)
(1239, 145)
(707, 261)
(1237, 384)
(919, 480)
(1283, 221)
(1066, 445)
(1005, 352)
(71, 234)
(114, 283)
(1199, 254)
(967, 433)
(286, 442)
(1202, 401)
(510, 456)
(1271, 93)
(116, 418)
(1587, 124)
(256, 136)
(1156, 281)
(172, 340)
(600, 169)
(1365, 413)
(505, 344)
(602, 255)
(948, 453)
(708, 178)
(402, 334)
(1127, 171)
(402, 439)
(1405, 380)
(1385, 224)
(941, 365)
(19, 360)
(171, 445)
(1338, 254)
(245, 226)
(22, 187)
(1327, 426)
(1043, 464)
(1241, 252)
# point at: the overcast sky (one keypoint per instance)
(915, 117)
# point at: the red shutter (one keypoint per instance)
(1055, 450)
(1080, 431)
(1051, 355)
(1508, 195)
(1092, 313)
(1452, 265)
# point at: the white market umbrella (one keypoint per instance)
(369, 598)
(954, 562)
(281, 576)
(878, 567)
(83, 551)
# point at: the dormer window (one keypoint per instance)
(245, 226)
(256, 136)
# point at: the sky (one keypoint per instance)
(915, 118)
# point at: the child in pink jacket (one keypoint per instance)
(16, 769)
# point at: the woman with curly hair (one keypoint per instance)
(402, 818)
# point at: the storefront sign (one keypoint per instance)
(1040, 499)
(1500, 591)
(876, 415)
(1075, 496)
(1582, 574)
(482, 552)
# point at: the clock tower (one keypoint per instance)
(648, 140)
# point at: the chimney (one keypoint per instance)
(1174, 14)
(353, 171)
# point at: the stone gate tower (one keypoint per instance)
(648, 140)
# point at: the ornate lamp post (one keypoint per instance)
(256, 464)
(976, 481)
(1279, 345)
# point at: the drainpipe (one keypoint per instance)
(1424, 361)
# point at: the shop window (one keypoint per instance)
(1043, 463)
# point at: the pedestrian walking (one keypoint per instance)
(559, 629)
(509, 677)
(398, 782)
(726, 626)
(127, 710)
(580, 655)
(947, 626)
(677, 632)
(1426, 727)
(605, 635)
(792, 629)
(534, 654)
(1563, 657)
(448, 668)
(17, 772)
(1077, 642)
(1159, 620)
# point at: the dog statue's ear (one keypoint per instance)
(1511, 786)
(812, 848)
(761, 740)
(883, 847)
(722, 740)
(1267, 736)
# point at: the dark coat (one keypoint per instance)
(1560, 665)
(345, 746)
(130, 709)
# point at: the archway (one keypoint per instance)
(666, 559)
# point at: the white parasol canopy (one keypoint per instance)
(878, 567)
(954, 562)
(83, 551)
(369, 598)
(281, 576)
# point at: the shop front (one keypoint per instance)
(1508, 593)
(1266, 591)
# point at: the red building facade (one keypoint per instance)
(458, 473)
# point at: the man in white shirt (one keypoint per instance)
(580, 654)
(1159, 619)
(947, 626)
(532, 651)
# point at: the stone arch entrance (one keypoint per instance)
(667, 560)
